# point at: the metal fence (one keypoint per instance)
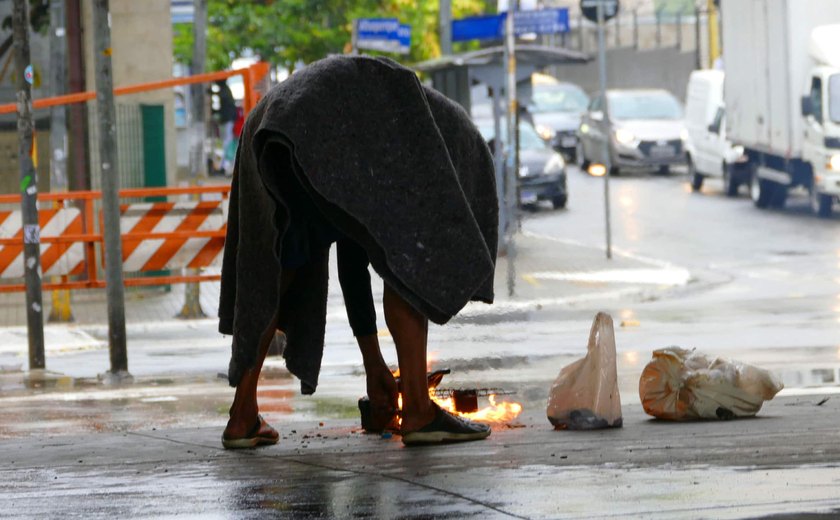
(129, 123)
(641, 30)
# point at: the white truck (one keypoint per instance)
(782, 94)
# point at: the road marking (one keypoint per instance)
(671, 276)
(531, 279)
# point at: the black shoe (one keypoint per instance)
(446, 427)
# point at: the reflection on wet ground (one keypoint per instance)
(68, 405)
(648, 469)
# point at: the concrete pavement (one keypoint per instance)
(151, 449)
(785, 462)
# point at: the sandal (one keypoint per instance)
(262, 434)
(446, 427)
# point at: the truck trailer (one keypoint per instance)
(782, 93)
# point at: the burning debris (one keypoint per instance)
(461, 401)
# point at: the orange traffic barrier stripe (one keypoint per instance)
(81, 230)
(250, 75)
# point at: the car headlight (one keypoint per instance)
(833, 162)
(625, 137)
(554, 165)
(545, 132)
(740, 154)
(524, 171)
(684, 134)
(584, 128)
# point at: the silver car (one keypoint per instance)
(643, 129)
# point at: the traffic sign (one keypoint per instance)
(492, 27)
(589, 8)
(383, 34)
(542, 21)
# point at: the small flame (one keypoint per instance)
(501, 412)
(495, 413)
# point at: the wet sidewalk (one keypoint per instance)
(785, 462)
(151, 449)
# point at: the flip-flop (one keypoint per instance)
(262, 434)
(446, 427)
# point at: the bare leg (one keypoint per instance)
(410, 329)
(244, 410)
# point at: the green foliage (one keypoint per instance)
(290, 32)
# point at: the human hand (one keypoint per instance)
(382, 392)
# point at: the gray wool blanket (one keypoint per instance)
(393, 165)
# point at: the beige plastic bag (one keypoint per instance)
(680, 384)
(585, 394)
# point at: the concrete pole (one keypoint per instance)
(445, 22)
(28, 187)
(602, 79)
(60, 311)
(110, 181)
(198, 166)
(512, 163)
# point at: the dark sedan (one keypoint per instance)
(542, 171)
(556, 110)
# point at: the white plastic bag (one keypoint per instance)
(585, 394)
(680, 384)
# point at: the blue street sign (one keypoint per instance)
(478, 28)
(404, 38)
(542, 21)
(383, 34)
(182, 11)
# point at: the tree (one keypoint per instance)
(291, 32)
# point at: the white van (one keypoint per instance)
(709, 152)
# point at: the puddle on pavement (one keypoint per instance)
(660, 492)
(69, 405)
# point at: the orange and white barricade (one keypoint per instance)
(57, 258)
(186, 226)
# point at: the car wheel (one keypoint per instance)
(760, 191)
(779, 196)
(694, 176)
(664, 170)
(559, 202)
(821, 203)
(730, 185)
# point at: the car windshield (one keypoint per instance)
(528, 137)
(834, 97)
(644, 105)
(558, 98)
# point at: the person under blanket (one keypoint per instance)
(309, 237)
(355, 150)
